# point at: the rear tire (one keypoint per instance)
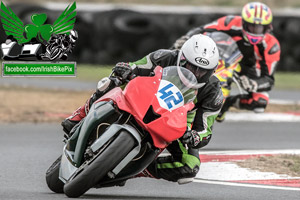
(52, 177)
(92, 173)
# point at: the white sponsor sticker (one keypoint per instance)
(169, 96)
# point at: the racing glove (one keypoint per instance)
(191, 138)
(123, 71)
(248, 84)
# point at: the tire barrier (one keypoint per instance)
(111, 36)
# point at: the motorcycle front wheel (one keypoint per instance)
(52, 177)
(107, 160)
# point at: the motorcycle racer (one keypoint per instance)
(200, 55)
(260, 49)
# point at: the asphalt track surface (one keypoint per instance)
(27, 150)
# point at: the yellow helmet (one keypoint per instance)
(257, 19)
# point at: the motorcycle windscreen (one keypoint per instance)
(227, 46)
(175, 98)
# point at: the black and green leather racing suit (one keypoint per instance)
(183, 162)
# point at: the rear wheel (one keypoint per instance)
(93, 172)
(52, 177)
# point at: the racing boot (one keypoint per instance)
(74, 119)
(230, 101)
(221, 116)
(144, 173)
(79, 114)
(103, 87)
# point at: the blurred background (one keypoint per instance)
(127, 30)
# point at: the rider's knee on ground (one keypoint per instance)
(170, 171)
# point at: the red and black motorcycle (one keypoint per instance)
(124, 131)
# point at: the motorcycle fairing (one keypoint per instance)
(113, 130)
(67, 168)
(74, 150)
(136, 99)
(99, 112)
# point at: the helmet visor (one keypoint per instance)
(197, 71)
(257, 29)
(188, 78)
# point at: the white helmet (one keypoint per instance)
(200, 55)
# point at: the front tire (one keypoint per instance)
(93, 172)
(52, 177)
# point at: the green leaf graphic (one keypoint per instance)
(65, 22)
(12, 25)
(31, 31)
(46, 31)
(38, 19)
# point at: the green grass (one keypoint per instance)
(92, 72)
(293, 162)
(283, 80)
(287, 80)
